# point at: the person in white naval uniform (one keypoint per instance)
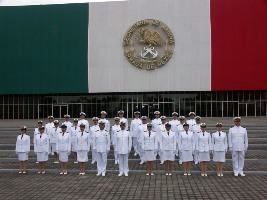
(141, 129)
(41, 148)
(53, 137)
(49, 125)
(102, 146)
(103, 118)
(238, 145)
(116, 127)
(196, 130)
(219, 148)
(36, 131)
(84, 121)
(186, 146)
(122, 119)
(74, 130)
(203, 148)
(67, 122)
(83, 147)
(161, 128)
(64, 147)
(149, 143)
(168, 142)
(22, 149)
(180, 128)
(92, 132)
(134, 130)
(123, 144)
(156, 122)
(175, 121)
(191, 121)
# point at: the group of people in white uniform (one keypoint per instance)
(187, 140)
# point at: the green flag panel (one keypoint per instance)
(43, 49)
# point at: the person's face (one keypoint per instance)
(95, 122)
(191, 116)
(103, 116)
(144, 121)
(120, 115)
(186, 128)
(75, 123)
(39, 124)
(64, 130)
(122, 126)
(136, 116)
(218, 128)
(41, 131)
(56, 124)
(237, 123)
(149, 128)
(82, 128)
(163, 121)
(101, 126)
(181, 121)
(67, 119)
(203, 129)
(23, 131)
(50, 120)
(198, 121)
(157, 116)
(82, 117)
(168, 128)
(117, 122)
(174, 117)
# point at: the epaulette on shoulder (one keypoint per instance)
(97, 130)
(72, 126)
(118, 130)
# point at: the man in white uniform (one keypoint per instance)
(122, 119)
(67, 122)
(53, 140)
(103, 119)
(141, 129)
(74, 130)
(238, 145)
(179, 129)
(134, 130)
(49, 125)
(191, 121)
(196, 130)
(84, 121)
(93, 130)
(116, 127)
(161, 128)
(174, 122)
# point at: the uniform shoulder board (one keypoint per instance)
(145, 131)
(60, 132)
(96, 130)
(72, 126)
(118, 131)
(86, 132)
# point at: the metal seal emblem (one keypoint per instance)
(148, 44)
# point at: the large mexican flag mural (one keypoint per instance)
(133, 46)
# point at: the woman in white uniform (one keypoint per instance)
(186, 146)
(41, 148)
(63, 148)
(167, 141)
(203, 148)
(219, 148)
(83, 147)
(23, 149)
(149, 145)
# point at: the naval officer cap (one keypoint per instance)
(50, 117)
(101, 122)
(192, 113)
(56, 122)
(42, 128)
(182, 117)
(122, 123)
(137, 113)
(144, 117)
(103, 113)
(175, 113)
(157, 113)
(120, 112)
(163, 117)
(95, 119)
(149, 125)
(197, 117)
(82, 125)
(168, 125)
(75, 120)
(23, 128)
(185, 124)
(63, 126)
(82, 113)
(116, 118)
(203, 125)
(66, 116)
(40, 122)
(219, 124)
(237, 119)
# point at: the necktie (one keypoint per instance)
(219, 134)
(149, 133)
(75, 127)
(82, 133)
(62, 133)
(21, 136)
(56, 129)
(40, 135)
(203, 134)
(168, 132)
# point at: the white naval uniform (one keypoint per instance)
(53, 137)
(196, 130)
(191, 122)
(68, 124)
(186, 144)
(219, 146)
(23, 147)
(107, 124)
(141, 129)
(36, 131)
(168, 142)
(123, 145)
(149, 143)
(134, 132)
(86, 123)
(73, 132)
(63, 146)
(174, 124)
(92, 132)
(238, 143)
(161, 128)
(114, 130)
(179, 128)
(102, 146)
(123, 119)
(48, 128)
(155, 124)
(203, 146)
(83, 146)
(41, 147)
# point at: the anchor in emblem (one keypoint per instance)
(147, 51)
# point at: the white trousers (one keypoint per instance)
(135, 145)
(196, 156)
(123, 163)
(94, 155)
(101, 162)
(238, 158)
(116, 155)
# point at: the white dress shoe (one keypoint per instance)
(103, 174)
(61, 173)
(242, 174)
(147, 174)
(152, 174)
(126, 174)
(236, 174)
(120, 174)
(98, 174)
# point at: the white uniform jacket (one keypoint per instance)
(219, 143)
(64, 142)
(238, 138)
(155, 124)
(68, 124)
(93, 130)
(191, 122)
(54, 135)
(125, 121)
(107, 124)
(141, 129)
(134, 127)
(83, 141)
(186, 141)
(85, 122)
(41, 143)
(123, 142)
(114, 130)
(102, 141)
(203, 142)
(36, 131)
(168, 141)
(74, 130)
(149, 142)
(23, 143)
(174, 124)
(48, 127)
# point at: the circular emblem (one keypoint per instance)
(148, 44)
